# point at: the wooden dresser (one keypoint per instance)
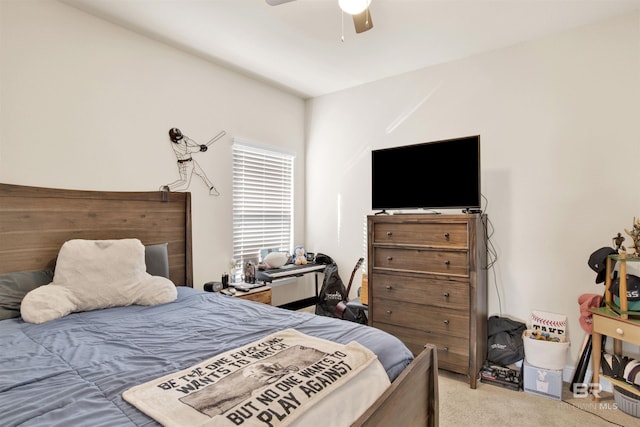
(428, 284)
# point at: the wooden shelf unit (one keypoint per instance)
(615, 321)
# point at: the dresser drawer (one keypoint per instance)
(420, 317)
(454, 235)
(422, 260)
(419, 290)
(453, 352)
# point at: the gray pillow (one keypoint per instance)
(14, 286)
(157, 259)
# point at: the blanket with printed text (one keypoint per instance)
(278, 380)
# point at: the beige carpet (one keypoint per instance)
(491, 405)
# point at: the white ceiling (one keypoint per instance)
(297, 45)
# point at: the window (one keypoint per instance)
(262, 201)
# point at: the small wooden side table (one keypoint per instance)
(614, 322)
(261, 294)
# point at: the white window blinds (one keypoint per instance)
(262, 201)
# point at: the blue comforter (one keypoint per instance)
(72, 371)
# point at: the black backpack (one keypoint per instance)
(332, 299)
(332, 292)
(505, 345)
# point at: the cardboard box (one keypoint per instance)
(543, 382)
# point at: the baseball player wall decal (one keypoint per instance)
(184, 148)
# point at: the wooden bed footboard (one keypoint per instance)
(412, 399)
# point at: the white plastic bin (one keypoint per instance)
(544, 354)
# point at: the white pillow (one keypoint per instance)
(276, 259)
(95, 274)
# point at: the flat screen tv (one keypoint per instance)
(432, 175)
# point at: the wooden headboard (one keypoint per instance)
(36, 221)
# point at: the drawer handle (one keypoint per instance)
(446, 322)
(389, 311)
(389, 287)
(447, 262)
(446, 294)
(445, 348)
(389, 234)
(619, 331)
(389, 258)
(446, 236)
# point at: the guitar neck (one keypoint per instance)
(353, 274)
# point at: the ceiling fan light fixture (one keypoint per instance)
(354, 7)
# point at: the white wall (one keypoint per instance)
(559, 120)
(87, 105)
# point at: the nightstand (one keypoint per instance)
(261, 294)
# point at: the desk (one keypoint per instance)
(292, 270)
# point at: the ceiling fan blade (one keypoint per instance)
(362, 21)
(277, 2)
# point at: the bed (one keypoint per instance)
(74, 370)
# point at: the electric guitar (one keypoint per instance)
(341, 307)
